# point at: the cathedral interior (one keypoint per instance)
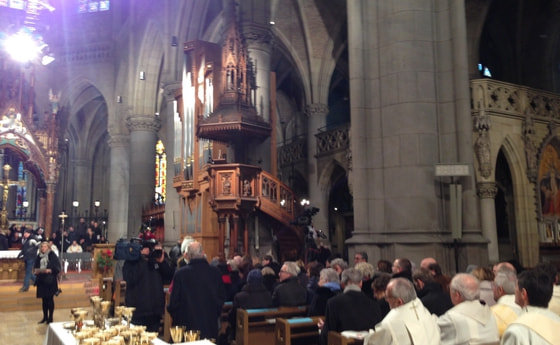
(398, 128)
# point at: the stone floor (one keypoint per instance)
(21, 327)
(21, 312)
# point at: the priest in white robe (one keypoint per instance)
(408, 322)
(505, 310)
(469, 321)
(537, 325)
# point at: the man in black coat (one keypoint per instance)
(350, 310)
(289, 292)
(430, 292)
(144, 285)
(402, 268)
(197, 294)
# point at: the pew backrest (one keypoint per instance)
(257, 326)
(298, 328)
(335, 338)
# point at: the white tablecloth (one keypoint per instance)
(57, 335)
(9, 254)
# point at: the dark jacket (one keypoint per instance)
(434, 299)
(351, 310)
(289, 293)
(144, 286)
(29, 248)
(251, 296)
(197, 298)
(321, 296)
(47, 283)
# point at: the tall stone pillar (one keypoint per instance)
(404, 121)
(258, 38)
(143, 135)
(119, 176)
(51, 186)
(82, 187)
(487, 192)
(172, 200)
(316, 118)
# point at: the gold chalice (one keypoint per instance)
(96, 302)
(177, 333)
(119, 309)
(191, 335)
(127, 313)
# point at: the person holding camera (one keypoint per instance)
(145, 278)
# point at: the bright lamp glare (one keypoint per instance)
(21, 47)
(47, 60)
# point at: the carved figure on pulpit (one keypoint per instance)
(247, 190)
(226, 185)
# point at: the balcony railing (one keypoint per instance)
(514, 100)
(333, 140)
(239, 187)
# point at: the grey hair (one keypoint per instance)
(329, 275)
(292, 268)
(402, 288)
(339, 262)
(195, 250)
(466, 285)
(351, 276)
(366, 268)
(506, 278)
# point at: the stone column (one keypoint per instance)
(462, 109)
(172, 202)
(119, 176)
(487, 192)
(49, 208)
(258, 38)
(82, 187)
(404, 121)
(143, 135)
(316, 118)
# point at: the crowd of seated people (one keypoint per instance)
(401, 302)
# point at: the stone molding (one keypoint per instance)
(316, 109)
(149, 123)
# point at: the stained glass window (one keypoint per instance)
(90, 6)
(15, 4)
(161, 173)
(21, 191)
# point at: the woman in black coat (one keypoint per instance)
(252, 295)
(46, 268)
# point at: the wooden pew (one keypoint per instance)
(257, 326)
(300, 330)
(335, 338)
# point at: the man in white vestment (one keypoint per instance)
(537, 325)
(408, 322)
(505, 310)
(469, 321)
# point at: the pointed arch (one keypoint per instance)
(524, 200)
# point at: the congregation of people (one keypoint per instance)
(391, 302)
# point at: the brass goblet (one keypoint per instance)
(177, 334)
(192, 335)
